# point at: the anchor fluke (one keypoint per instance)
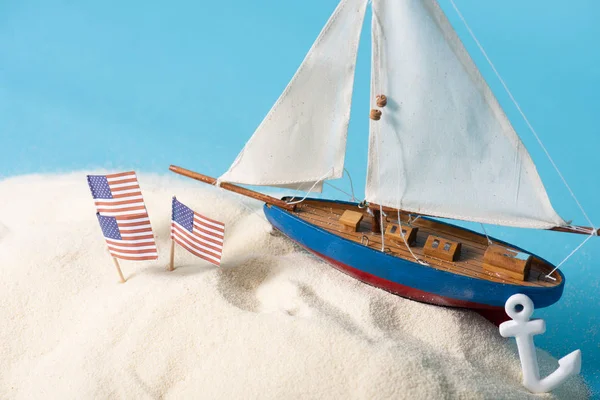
(568, 365)
(571, 362)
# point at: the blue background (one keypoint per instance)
(142, 85)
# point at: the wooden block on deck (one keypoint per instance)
(443, 249)
(350, 220)
(503, 261)
(410, 233)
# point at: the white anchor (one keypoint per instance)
(523, 329)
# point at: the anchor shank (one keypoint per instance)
(523, 328)
(528, 357)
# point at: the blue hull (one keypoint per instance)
(405, 278)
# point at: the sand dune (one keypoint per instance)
(271, 323)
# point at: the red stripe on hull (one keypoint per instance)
(495, 315)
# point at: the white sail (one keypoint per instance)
(444, 146)
(303, 138)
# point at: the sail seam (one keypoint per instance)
(549, 275)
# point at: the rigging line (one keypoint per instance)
(340, 190)
(352, 197)
(311, 188)
(412, 220)
(569, 256)
(374, 132)
(406, 243)
(297, 190)
(520, 110)
(582, 229)
(351, 184)
(486, 235)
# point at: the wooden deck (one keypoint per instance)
(470, 263)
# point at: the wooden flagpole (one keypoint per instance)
(171, 265)
(119, 270)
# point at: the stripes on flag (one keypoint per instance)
(122, 216)
(129, 237)
(201, 236)
(117, 194)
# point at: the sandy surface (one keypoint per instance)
(273, 322)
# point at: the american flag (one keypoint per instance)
(117, 194)
(201, 236)
(129, 237)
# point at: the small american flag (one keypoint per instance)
(201, 236)
(117, 194)
(129, 237)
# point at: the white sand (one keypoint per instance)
(272, 323)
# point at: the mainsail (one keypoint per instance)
(444, 146)
(302, 140)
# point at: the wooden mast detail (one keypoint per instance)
(233, 188)
(376, 226)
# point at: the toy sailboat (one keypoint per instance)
(440, 146)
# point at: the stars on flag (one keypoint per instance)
(129, 237)
(198, 234)
(122, 216)
(117, 194)
(126, 227)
